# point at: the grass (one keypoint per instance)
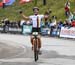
(57, 7)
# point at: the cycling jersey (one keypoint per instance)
(34, 20)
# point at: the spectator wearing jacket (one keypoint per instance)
(60, 24)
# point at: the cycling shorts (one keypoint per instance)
(36, 30)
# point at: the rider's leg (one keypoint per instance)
(32, 41)
(39, 42)
(39, 45)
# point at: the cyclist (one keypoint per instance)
(35, 25)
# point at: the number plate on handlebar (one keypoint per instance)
(35, 33)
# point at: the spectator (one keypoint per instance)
(59, 24)
(70, 17)
(53, 24)
(46, 18)
(66, 23)
(54, 21)
(73, 23)
(67, 4)
(47, 13)
(2, 21)
(6, 21)
(67, 8)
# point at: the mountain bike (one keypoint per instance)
(35, 34)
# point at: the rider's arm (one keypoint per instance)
(24, 16)
(46, 14)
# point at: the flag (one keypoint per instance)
(5, 1)
(24, 1)
(10, 2)
(1, 4)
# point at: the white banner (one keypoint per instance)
(67, 32)
(1, 29)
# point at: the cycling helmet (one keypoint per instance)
(35, 8)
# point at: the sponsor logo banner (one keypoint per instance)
(67, 32)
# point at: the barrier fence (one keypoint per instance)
(45, 31)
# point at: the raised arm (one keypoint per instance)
(24, 16)
(47, 14)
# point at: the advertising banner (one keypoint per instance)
(27, 29)
(15, 30)
(45, 31)
(67, 32)
(1, 29)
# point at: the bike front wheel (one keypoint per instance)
(35, 51)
